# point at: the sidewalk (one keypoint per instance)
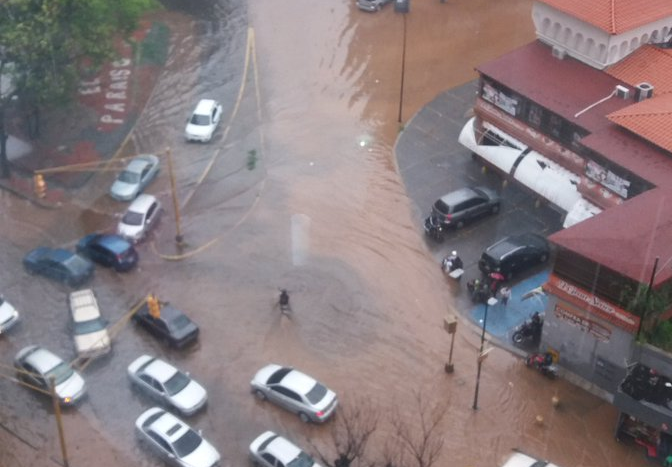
(95, 127)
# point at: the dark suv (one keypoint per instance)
(514, 254)
(460, 206)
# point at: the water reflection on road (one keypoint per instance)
(323, 214)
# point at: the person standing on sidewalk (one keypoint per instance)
(504, 294)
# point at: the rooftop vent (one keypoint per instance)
(622, 91)
(558, 52)
(643, 91)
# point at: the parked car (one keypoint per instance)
(174, 440)
(112, 251)
(372, 5)
(89, 327)
(172, 326)
(272, 450)
(139, 172)
(58, 264)
(522, 460)
(37, 365)
(203, 122)
(294, 391)
(140, 217)
(461, 206)
(165, 382)
(514, 254)
(8, 315)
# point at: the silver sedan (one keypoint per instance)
(165, 382)
(135, 177)
(295, 391)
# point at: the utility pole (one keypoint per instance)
(59, 421)
(178, 236)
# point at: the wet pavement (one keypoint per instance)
(313, 91)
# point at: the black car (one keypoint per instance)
(112, 251)
(371, 5)
(514, 254)
(172, 326)
(460, 206)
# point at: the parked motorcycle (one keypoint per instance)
(543, 363)
(529, 331)
(479, 290)
(453, 266)
(434, 229)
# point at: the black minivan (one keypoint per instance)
(514, 254)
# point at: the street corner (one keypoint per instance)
(24, 187)
(118, 91)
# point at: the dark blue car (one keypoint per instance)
(59, 264)
(111, 251)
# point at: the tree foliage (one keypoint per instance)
(47, 41)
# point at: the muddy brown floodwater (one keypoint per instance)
(324, 214)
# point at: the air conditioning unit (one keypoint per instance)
(643, 91)
(558, 52)
(622, 92)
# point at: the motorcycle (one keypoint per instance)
(529, 331)
(453, 266)
(434, 229)
(543, 363)
(479, 291)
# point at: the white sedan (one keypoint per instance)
(139, 172)
(203, 122)
(140, 217)
(272, 450)
(174, 440)
(165, 382)
(8, 315)
(295, 391)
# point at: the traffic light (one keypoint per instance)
(154, 306)
(40, 186)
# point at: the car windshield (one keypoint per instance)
(75, 262)
(60, 372)
(187, 443)
(87, 327)
(197, 119)
(178, 382)
(132, 218)
(129, 177)
(316, 394)
(302, 460)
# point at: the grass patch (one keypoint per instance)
(154, 49)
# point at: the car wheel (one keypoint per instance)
(304, 418)
(260, 395)
(495, 209)
(459, 224)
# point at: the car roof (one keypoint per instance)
(142, 203)
(114, 243)
(137, 164)
(298, 382)
(514, 242)
(205, 106)
(522, 460)
(83, 309)
(159, 370)
(59, 254)
(460, 195)
(169, 427)
(42, 360)
(283, 449)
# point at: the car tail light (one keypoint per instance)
(320, 413)
(449, 217)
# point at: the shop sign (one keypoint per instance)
(590, 302)
(599, 332)
(607, 178)
(500, 99)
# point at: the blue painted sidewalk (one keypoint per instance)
(503, 318)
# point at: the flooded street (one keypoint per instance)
(299, 190)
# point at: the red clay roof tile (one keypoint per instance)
(614, 16)
(648, 64)
(651, 119)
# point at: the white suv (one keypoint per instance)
(202, 123)
(90, 329)
(140, 218)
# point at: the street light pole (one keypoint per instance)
(59, 423)
(178, 236)
(491, 302)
